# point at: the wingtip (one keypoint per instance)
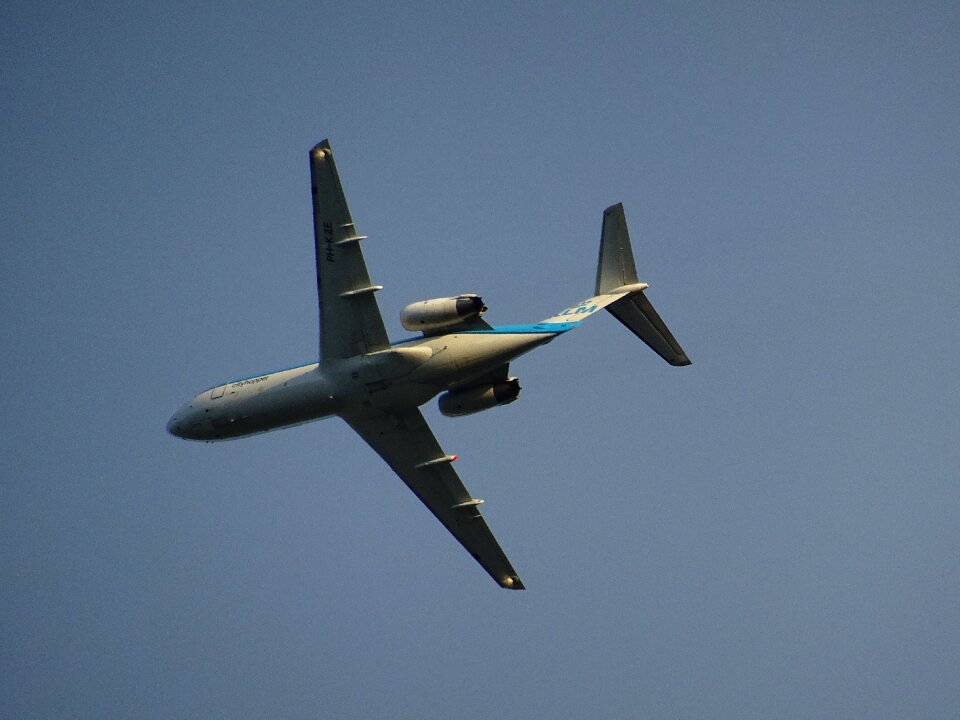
(512, 583)
(322, 145)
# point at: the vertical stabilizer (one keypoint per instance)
(615, 267)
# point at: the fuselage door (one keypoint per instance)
(217, 392)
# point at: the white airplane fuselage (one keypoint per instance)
(408, 374)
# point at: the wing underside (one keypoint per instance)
(408, 446)
(350, 321)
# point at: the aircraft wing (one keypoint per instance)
(408, 446)
(350, 321)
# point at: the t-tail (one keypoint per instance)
(619, 291)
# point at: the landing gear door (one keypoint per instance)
(217, 392)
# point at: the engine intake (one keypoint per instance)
(457, 403)
(440, 313)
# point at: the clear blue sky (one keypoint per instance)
(773, 532)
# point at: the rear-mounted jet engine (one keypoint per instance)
(466, 402)
(432, 315)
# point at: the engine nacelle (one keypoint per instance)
(440, 313)
(456, 403)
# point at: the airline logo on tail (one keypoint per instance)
(576, 314)
(581, 308)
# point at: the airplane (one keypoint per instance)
(377, 386)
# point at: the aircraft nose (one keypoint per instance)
(188, 423)
(175, 426)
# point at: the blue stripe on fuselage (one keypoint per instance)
(534, 329)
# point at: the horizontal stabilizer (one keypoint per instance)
(636, 312)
